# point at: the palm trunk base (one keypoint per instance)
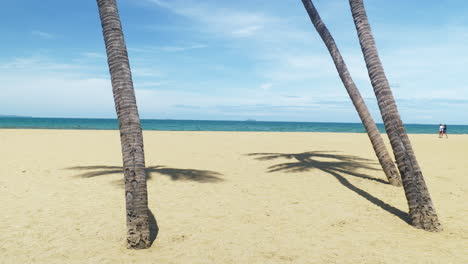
(138, 235)
(425, 218)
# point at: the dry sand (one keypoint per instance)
(62, 201)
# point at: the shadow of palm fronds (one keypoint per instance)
(335, 165)
(187, 174)
(320, 160)
(202, 176)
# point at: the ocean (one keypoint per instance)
(208, 125)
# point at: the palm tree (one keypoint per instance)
(374, 135)
(421, 209)
(131, 137)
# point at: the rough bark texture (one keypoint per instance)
(138, 231)
(421, 209)
(375, 137)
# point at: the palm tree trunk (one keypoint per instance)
(421, 209)
(131, 137)
(383, 156)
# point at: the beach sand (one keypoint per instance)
(218, 199)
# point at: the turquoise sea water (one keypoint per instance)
(205, 125)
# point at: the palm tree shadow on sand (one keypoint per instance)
(202, 176)
(336, 165)
(153, 225)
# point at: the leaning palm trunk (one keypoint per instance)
(131, 138)
(421, 209)
(385, 160)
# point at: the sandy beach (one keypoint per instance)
(226, 197)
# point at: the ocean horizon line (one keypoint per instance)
(216, 120)
(212, 125)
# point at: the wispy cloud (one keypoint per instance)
(145, 71)
(182, 48)
(167, 48)
(246, 31)
(161, 3)
(221, 20)
(38, 64)
(286, 67)
(266, 86)
(42, 34)
(164, 84)
(45, 87)
(241, 59)
(77, 92)
(94, 55)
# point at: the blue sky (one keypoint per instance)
(233, 60)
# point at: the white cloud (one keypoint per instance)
(158, 49)
(254, 49)
(246, 31)
(160, 3)
(48, 95)
(141, 71)
(180, 48)
(41, 86)
(45, 65)
(266, 86)
(151, 85)
(43, 34)
(94, 55)
(220, 20)
(296, 67)
(74, 93)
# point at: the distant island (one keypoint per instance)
(250, 120)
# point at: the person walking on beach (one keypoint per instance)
(444, 131)
(441, 130)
